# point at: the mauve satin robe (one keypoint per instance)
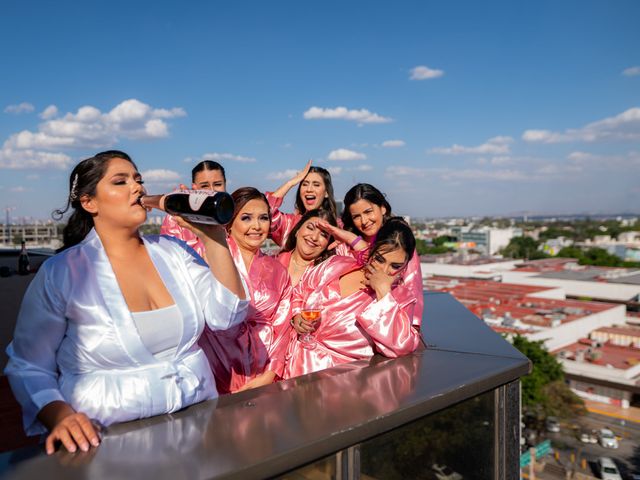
(352, 328)
(259, 344)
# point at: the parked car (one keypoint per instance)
(588, 436)
(445, 473)
(608, 469)
(552, 424)
(607, 439)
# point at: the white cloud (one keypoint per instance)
(18, 189)
(585, 161)
(342, 113)
(23, 107)
(29, 159)
(90, 128)
(362, 168)
(335, 170)
(494, 146)
(447, 174)
(283, 175)
(49, 112)
(622, 127)
(160, 175)
(342, 154)
(221, 157)
(501, 160)
(631, 72)
(393, 143)
(422, 72)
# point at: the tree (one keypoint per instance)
(545, 386)
(523, 247)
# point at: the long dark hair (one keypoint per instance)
(83, 181)
(241, 197)
(328, 203)
(394, 233)
(363, 191)
(325, 215)
(207, 165)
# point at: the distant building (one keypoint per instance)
(487, 240)
(34, 235)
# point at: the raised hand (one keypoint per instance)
(378, 280)
(302, 173)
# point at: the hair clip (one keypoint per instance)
(73, 195)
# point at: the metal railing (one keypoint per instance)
(453, 408)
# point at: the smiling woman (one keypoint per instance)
(252, 354)
(107, 329)
(363, 309)
(315, 190)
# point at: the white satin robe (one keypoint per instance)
(75, 339)
(351, 328)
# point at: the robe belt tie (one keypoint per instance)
(185, 378)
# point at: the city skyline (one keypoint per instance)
(494, 110)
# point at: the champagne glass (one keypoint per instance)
(311, 312)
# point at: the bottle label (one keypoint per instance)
(199, 219)
(197, 198)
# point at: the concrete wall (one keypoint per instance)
(570, 332)
(608, 291)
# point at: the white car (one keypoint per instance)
(607, 439)
(608, 469)
(445, 473)
(552, 424)
(588, 436)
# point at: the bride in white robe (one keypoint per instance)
(77, 346)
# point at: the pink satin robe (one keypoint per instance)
(281, 223)
(351, 328)
(259, 344)
(411, 278)
(171, 227)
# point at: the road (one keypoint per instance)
(572, 452)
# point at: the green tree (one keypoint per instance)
(545, 386)
(425, 248)
(523, 247)
(570, 252)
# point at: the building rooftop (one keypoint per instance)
(602, 354)
(488, 299)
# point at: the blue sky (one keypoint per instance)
(450, 108)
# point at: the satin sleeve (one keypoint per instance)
(32, 368)
(412, 279)
(281, 223)
(281, 330)
(222, 308)
(388, 322)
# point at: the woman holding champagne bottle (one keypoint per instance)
(206, 175)
(359, 310)
(107, 330)
(253, 354)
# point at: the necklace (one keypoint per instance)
(298, 264)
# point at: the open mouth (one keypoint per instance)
(310, 199)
